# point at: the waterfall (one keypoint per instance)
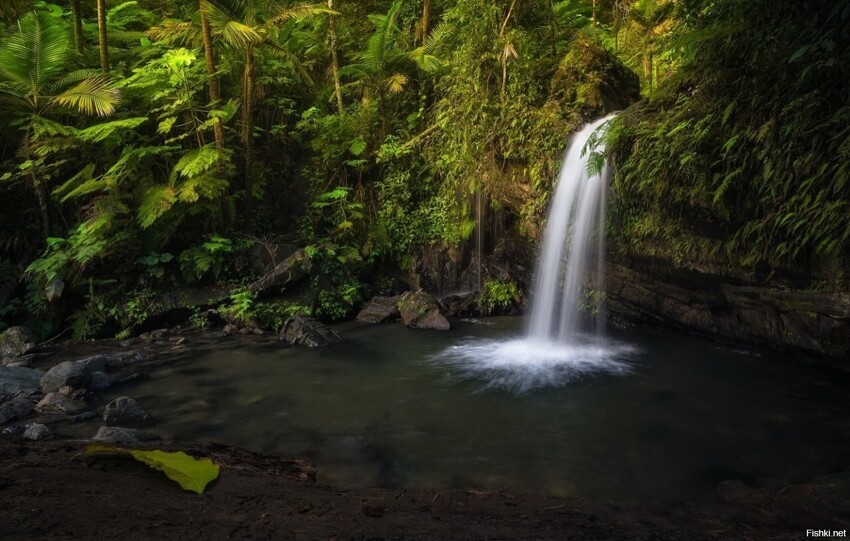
(556, 348)
(573, 246)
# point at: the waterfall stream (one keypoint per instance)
(565, 336)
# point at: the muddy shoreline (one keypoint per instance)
(45, 492)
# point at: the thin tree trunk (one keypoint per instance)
(101, 36)
(213, 82)
(78, 26)
(40, 192)
(425, 22)
(553, 28)
(248, 129)
(507, 18)
(335, 61)
(593, 13)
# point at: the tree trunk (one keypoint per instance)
(593, 13)
(248, 129)
(78, 26)
(424, 23)
(213, 82)
(101, 36)
(335, 61)
(37, 187)
(647, 69)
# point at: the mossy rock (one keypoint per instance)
(594, 79)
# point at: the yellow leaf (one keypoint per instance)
(191, 473)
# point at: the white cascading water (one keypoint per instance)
(573, 245)
(557, 347)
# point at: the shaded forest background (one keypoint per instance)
(151, 144)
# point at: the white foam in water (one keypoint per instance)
(557, 348)
(523, 364)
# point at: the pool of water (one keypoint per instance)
(671, 418)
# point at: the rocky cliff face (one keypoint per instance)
(654, 290)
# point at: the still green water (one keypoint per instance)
(379, 410)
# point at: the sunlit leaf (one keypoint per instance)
(190, 473)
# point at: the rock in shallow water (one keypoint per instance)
(68, 373)
(14, 379)
(117, 434)
(379, 310)
(420, 310)
(16, 341)
(100, 381)
(16, 408)
(124, 411)
(59, 403)
(306, 331)
(37, 432)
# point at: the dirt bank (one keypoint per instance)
(47, 494)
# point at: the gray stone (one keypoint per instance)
(95, 363)
(14, 379)
(121, 360)
(70, 373)
(379, 310)
(124, 411)
(292, 270)
(116, 434)
(59, 403)
(306, 331)
(16, 408)
(419, 310)
(100, 381)
(37, 432)
(16, 341)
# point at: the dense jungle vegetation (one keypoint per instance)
(152, 143)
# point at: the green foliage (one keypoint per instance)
(239, 305)
(209, 258)
(366, 134)
(749, 164)
(192, 474)
(499, 297)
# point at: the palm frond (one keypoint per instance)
(427, 55)
(95, 96)
(176, 33)
(286, 54)
(395, 83)
(36, 52)
(298, 13)
(15, 89)
(227, 25)
(68, 79)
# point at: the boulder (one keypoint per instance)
(100, 381)
(59, 403)
(591, 75)
(37, 432)
(465, 305)
(16, 408)
(124, 411)
(306, 331)
(419, 310)
(379, 310)
(95, 363)
(291, 270)
(123, 359)
(16, 341)
(116, 434)
(14, 379)
(67, 373)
